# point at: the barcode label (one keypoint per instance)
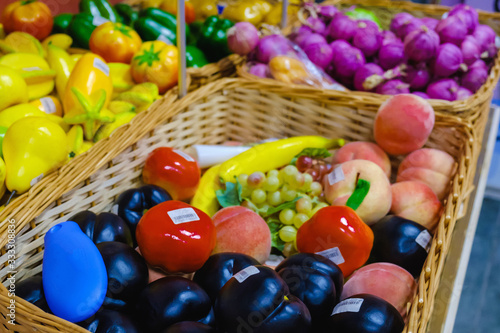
(245, 273)
(348, 305)
(183, 215)
(31, 69)
(101, 65)
(333, 254)
(184, 155)
(98, 20)
(424, 240)
(48, 105)
(114, 209)
(336, 175)
(36, 180)
(164, 39)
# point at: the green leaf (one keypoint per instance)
(275, 226)
(285, 205)
(231, 196)
(359, 194)
(313, 153)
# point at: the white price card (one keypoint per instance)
(101, 65)
(348, 305)
(48, 105)
(336, 175)
(246, 273)
(333, 254)
(424, 240)
(183, 215)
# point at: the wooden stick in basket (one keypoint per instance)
(181, 46)
(284, 14)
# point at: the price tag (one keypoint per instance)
(336, 175)
(348, 305)
(101, 65)
(184, 155)
(36, 179)
(114, 209)
(333, 254)
(48, 105)
(246, 273)
(183, 215)
(164, 39)
(98, 20)
(424, 240)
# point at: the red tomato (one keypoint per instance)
(174, 171)
(341, 233)
(176, 237)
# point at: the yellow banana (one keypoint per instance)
(60, 40)
(60, 61)
(121, 106)
(105, 130)
(75, 140)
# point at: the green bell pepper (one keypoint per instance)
(61, 23)
(80, 29)
(195, 28)
(100, 8)
(127, 14)
(213, 38)
(195, 57)
(156, 24)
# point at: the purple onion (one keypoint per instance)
(452, 30)
(474, 78)
(479, 64)
(418, 77)
(484, 36)
(388, 37)
(369, 24)
(393, 87)
(463, 93)
(467, 14)
(312, 39)
(449, 59)
(391, 54)
(490, 52)
(341, 27)
(348, 62)
(327, 12)
(300, 34)
(316, 24)
(368, 77)
(413, 25)
(319, 54)
(421, 44)
(367, 39)
(443, 89)
(242, 38)
(430, 22)
(271, 46)
(470, 50)
(260, 70)
(421, 94)
(339, 47)
(398, 23)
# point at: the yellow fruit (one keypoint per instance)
(85, 146)
(121, 76)
(60, 40)
(18, 41)
(75, 57)
(32, 148)
(75, 140)
(61, 62)
(121, 106)
(59, 121)
(2, 178)
(49, 105)
(2, 31)
(120, 120)
(13, 89)
(16, 112)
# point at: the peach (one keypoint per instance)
(403, 123)
(433, 167)
(361, 150)
(241, 230)
(341, 183)
(385, 280)
(414, 200)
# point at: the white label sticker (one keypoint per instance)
(333, 254)
(497, 42)
(48, 105)
(36, 180)
(245, 273)
(184, 155)
(424, 240)
(114, 209)
(445, 15)
(183, 215)
(336, 175)
(31, 69)
(101, 65)
(98, 20)
(348, 305)
(164, 39)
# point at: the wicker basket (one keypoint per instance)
(229, 109)
(475, 108)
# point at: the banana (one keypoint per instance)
(121, 106)
(60, 40)
(147, 88)
(105, 130)
(141, 100)
(75, 140)
(86, 145)
(60, 61)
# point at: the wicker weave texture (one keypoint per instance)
(228, 109)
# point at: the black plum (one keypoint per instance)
(401, 242)
(219, 268)
(105, 227)
(110, 321)
(127, 274)
(189, 327)
(31, 290)
(170, 300)
(257, 300)
(364, 313)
